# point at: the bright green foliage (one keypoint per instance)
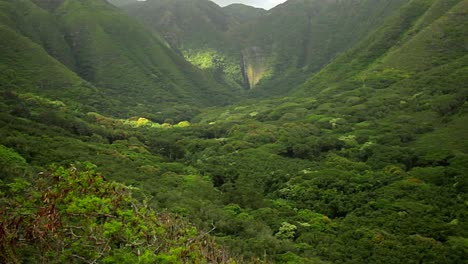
(286, 231)
(142, 122)
(77, 216)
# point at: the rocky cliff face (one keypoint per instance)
(255, 66)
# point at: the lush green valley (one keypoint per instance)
(270, 52)
(113, 149)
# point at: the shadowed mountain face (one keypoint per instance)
(298, 38)
(96, 45)
(258, 49)
(423, 38)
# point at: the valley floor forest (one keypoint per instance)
(178, 131)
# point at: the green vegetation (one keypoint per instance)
(366, 162)
(243, 13)
(198, 31)
(121, 2)
(270, 51)
(91, 53)
(77, 216)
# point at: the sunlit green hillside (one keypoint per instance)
(197, 29)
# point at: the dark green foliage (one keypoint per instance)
(366, 163)
(68, 48)
(196, 29)
(271, 51)
(298, 38)
(243, 13)
(11, 164)
(121, 2)
(77, 216)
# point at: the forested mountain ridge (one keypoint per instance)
(366, 162)
(414, 62)
(122, 2)
(298, 38)
(422, 37)
(243, 13)
(272, 51)
(198, 30)
(104, 48)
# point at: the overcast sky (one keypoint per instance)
(266, 4)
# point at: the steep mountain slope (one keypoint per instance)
(421, 37)
(416, 63)
(243, 13)
(121, 2)
(27, 66)
(274, 50)
(177, 21)
(113, 52)
(419, 53)
(298, 38)
(197, 29)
